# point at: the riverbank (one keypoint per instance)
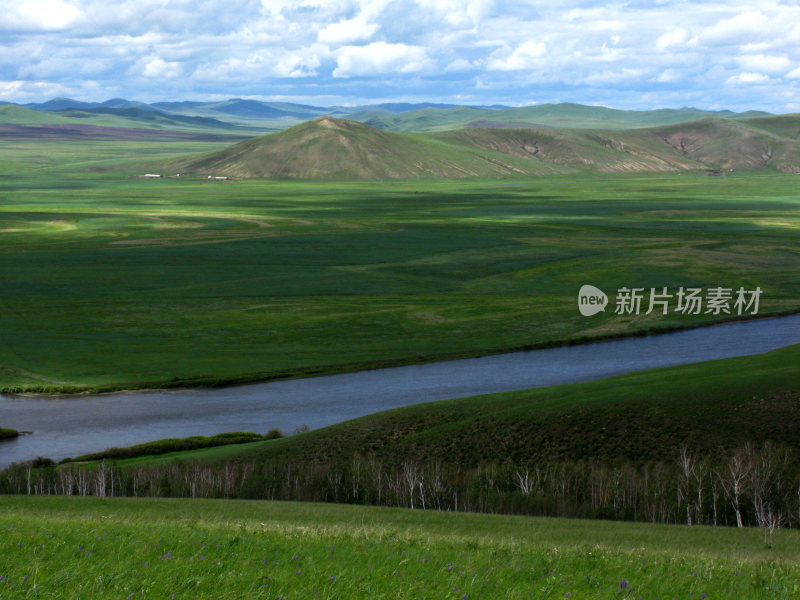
(211, 381)
(76, 425)
(8, 434)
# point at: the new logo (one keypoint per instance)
(591, 300)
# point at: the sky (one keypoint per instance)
(636, 55)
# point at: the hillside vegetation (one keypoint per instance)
(406, 117)
(658, 446)
(76, 548)
(329, 148)
(564, 115)
(711, 407)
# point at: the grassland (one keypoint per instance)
(64, 548)
(113, 282)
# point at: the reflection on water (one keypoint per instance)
(72, 426)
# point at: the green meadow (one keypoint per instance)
(110, 281)
(79, 548)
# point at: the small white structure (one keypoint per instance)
(217, 178)
(152, 175)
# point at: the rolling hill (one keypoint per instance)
(330, 148)
(121, 117)
(407, 117)
(565, 115)
(644, 416)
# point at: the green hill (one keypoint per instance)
(329, 148)
(104, 116)
(142, 117)
(642, 416)
(70, 548)
(565, 115)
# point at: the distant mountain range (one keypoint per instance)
(393, 116)
(401, 140)
(330, 148)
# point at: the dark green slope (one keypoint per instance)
(647, 415)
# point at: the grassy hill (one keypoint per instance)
(75, 548)
(124, 117)
(329, 148)
(407, 117)
(151, 118)
(643, 416)
(565, 115)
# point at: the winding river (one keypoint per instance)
(70, 426)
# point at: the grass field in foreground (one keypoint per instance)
(102, 548)
(120, 282)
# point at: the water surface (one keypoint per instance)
(72, 426)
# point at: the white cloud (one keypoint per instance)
(158, 68)
(614, 76)
(10, 89)
(742, 28)
(458, 13)
(459, 64)
(525, 56)
(23, 91)
(380, 58)
(766, 64)
(347, 31)
(668, 76)
(38, 15)
(747, 78)
(297, 65)
(501, 52)
(676, 37)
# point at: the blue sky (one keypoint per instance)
(712, 55)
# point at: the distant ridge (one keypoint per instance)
(408, 117)
(331, 148)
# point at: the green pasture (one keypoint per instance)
(100, 548)
(111, 281)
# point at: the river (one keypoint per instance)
(70, 426)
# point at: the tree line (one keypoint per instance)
(752, 486)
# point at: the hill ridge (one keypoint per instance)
(328, 147)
